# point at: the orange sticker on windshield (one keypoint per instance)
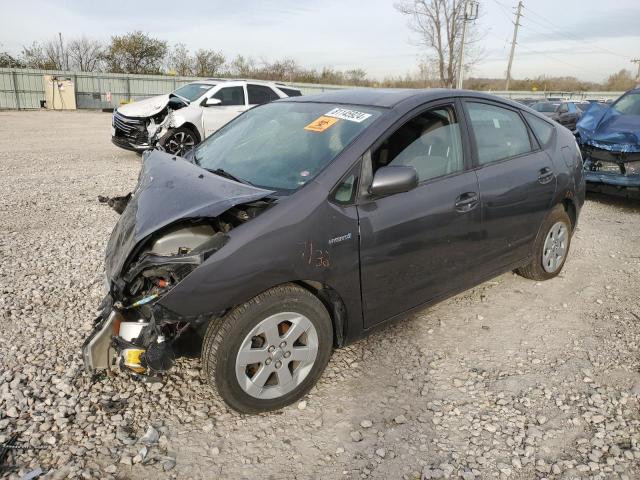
(321, 124)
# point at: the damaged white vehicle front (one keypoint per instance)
(180, 120)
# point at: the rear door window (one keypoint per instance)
(499, 132)
(541, 129)
(259, 94)
(230, 96)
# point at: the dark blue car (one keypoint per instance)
(305, 223)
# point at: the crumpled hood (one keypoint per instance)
(170, 190)
(144, 108)
(604, 127)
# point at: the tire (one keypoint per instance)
(546, 262)
(179, 141)
(289, 316)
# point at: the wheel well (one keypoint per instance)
(334, 305)
(193, 128)
(570, 208)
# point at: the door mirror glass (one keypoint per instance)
(393, 179)
(176, 103)
(213, 101)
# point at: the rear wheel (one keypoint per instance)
(179, 141)
(551, 247)
(270, 351)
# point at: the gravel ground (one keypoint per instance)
(514, 379)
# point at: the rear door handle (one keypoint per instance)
(545, 176)
(466, 202)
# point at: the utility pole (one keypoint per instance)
(64, 54)
(513, 43)
(470, 14)
(637, 61)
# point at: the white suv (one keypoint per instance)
(180, 120)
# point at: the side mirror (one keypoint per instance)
(210, 102)
(393, 179)
(175, 103)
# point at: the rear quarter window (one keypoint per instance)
(541, 129)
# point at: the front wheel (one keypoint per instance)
(270, 351)
(551, 247)
(179, 141)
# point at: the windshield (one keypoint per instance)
(628, 104)
(545, 107)
(283, 145)
(193, 91)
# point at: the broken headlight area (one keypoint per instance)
(159, 125)
(134, 332)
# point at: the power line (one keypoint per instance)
(556, 29)
(549, 56)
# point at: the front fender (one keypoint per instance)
(290, 242)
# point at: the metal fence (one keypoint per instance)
(24, 88)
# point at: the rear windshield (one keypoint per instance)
(283, 145)
(193, 91)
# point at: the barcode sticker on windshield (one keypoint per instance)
(346, 114)
(320, 124)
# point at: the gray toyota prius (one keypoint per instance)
(303, 224)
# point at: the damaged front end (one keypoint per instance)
(609, 139)
(178, 216)
(139, 126)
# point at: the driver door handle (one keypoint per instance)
(466, 202)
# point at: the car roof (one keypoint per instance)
(391, 97)
(217, 81)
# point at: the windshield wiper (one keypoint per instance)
(223, 173)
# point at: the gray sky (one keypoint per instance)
(589, 39)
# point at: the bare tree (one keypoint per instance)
(619, 81)
(283, 69)
(85, 54)
(49, 55)
(357, 76)
(439, 24)
(208, 63)
(180, 60)
(242, 66)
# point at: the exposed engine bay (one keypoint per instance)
(139, 340)
(158, 241)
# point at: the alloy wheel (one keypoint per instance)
(277, 355)
(179, 143)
